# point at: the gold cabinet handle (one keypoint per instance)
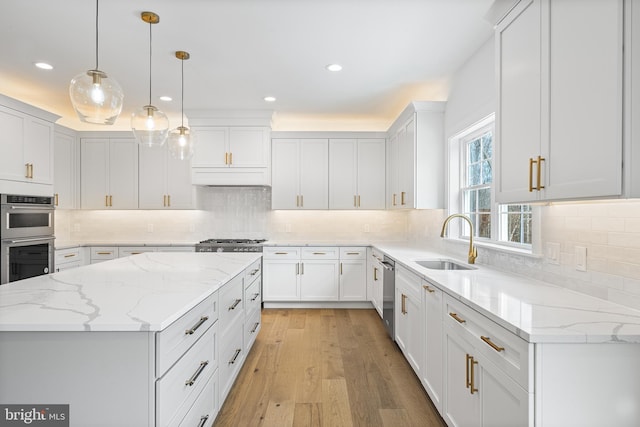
(428, 289)
(169, 200)
(26, 172)
(458, 319)
(394, 199)
(358, 201)
(402, 201)
(353, 253)
(301, 201)
(531, 162)
(355, 201)
(106, 200)
(472, 374)
(111, 201)
(467, 381)
(319, 253)
(29, 171)
(404, 304)
(302, 268)
(230, 158)
(69, 255)
(55, 199)
(282, 253)
(297, 268)
(226, 158)
(340, 268)
(540, 160)
(491, 343)
(104, 253)
(164, 200)
(375, 274)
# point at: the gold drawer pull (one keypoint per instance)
(319, 253)
(282, 253)
(428, 289)
(492, 344)
(375, 274)
(70, 255)
(353, 253)
(404, 304)
(458, 319)
(104, 253)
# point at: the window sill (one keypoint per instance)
(497, 247)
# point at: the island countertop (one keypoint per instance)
(145, 292)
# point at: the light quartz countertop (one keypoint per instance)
(145, 292)
(536, 311)
(65, 244)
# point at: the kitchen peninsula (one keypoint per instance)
(133, 341)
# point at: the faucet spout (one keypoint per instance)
(473, 252)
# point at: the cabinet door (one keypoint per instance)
(64, 160)
(12, 164)
(211, 145)
(152, 178)
(462, 408)
(407, 165)
(343, 173)
(179, 187)
(248, 147)
(371, 173)
(280, 280)
(38, 149)
(432, 367)
(314, 173)
(353, 280)
(94, 171)
(285, 172)
(584, 158)
(518, 124)
(392, 173)
(123, 173)
(319, 280)
(409, 323)
(503, 403)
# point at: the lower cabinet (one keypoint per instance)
(431, 374)
(66, 259)
(353, 274)
(409, 317)
(375, 276)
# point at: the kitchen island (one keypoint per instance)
(133, 341)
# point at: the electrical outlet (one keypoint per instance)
(553, 253)
(367, 228)
(581, 258)
(149, 228)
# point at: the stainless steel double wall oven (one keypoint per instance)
(26, 234)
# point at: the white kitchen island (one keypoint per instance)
(130, 342)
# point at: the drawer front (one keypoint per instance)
(175, 340)
(103, 253)
(231, 301)
(252, 327)
(134, 250)
(64, 256)
(285, 252)
(205, 409)
(353, 253)
(177, 391)
(68, 266)
(320, 253)
(509, 352)
(252, 272)
(232, 356)
(253, 297)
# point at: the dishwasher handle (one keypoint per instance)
(388, 266)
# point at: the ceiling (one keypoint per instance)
(392, 52)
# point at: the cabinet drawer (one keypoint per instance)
(231, 301)
(232, 356)
(252, 297)
(64, 256)
(177, 391)
(103, 253)
(281, 253)
(509, 352)
(252, 272)
(320, 253)
(175, 340)
(353, 253)
(134, 250)
(205, 409)
(251, 329)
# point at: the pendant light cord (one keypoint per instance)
(182, 96)
(150, 25)
(97, 35)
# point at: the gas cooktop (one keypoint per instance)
(230, 245)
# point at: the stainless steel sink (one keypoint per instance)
(443, 264)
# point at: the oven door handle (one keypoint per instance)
(35, 239)
(34, 208)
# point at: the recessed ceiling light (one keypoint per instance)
(334, 67)
(166, 98)
(44, 66)
(270, 98)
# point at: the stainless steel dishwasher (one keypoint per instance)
(389, 292)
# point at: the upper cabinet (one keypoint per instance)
(26, 148)
(357, 173)
(109, 173)
(559, 121)
(65, 161)
(415, 158)
(164, 182)
(300, 173)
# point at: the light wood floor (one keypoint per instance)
(326, 368)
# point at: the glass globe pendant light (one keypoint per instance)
(95, 97)
(181, 138)
(150, 125)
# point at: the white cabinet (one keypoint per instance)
(559, 135)
(409, 317)
(109, 173)
(66, 259)
(356, 173)
(376, 280)
(319, 276)
(164, 181)
(353, 274)
(431, 374)
(26, 147)
(102, 253)
(236, 155)
(415, 158)
(65, 162)
(300, 174)
(281, 271)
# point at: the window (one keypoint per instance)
(472, 193)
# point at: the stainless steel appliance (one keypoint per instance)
(230, 245)
(26, 236)
(389, 294)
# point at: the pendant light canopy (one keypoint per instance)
(181, 139)
(150, 125)
(95, 97)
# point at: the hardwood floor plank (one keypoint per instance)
(395, 417)
(336, 410)
(279, 414)
(307, 415)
